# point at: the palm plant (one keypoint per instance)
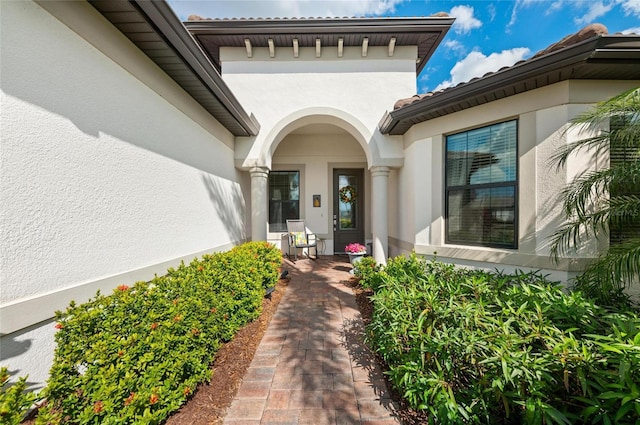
(607, 201)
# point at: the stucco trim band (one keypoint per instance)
(496, 256)
(20, 314)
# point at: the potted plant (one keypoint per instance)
(355, 251)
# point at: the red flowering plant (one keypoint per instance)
(355, 248)
(136, 355)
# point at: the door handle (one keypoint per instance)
(335, 222)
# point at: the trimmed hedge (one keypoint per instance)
(488, 348)
(136, 355)
(15, 400)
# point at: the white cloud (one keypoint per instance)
(491, 8)
(555, 6)
(465, 21)
(635, 30)
(476, 64)
(282, 8)
(516, 7)
(520, 4)
(631, 7)
(455, 46)
(596, 10)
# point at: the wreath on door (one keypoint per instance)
(348, 195)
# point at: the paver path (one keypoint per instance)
(311, 366)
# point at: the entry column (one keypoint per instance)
(379, 212)
(259, 190)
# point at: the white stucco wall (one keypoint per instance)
(110, 172)
(282, 89)
(542, 117)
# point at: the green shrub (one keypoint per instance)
(478, 347)
(367, 271)
(135, 356)
(15, 401)
(270, 260)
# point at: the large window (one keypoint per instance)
(284, 199)
(482, 186)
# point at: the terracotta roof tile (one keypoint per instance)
(585, 33)
(195, 17)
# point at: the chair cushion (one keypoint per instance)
(299, 238)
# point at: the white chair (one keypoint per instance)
(300, 237)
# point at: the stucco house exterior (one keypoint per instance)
(132, 141)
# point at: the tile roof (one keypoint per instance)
(591, 53)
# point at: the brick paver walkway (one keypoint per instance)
(311, 366)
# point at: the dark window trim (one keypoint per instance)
(515, 184)
(287, 170)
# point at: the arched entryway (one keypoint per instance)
(310, 169)
(311, 144)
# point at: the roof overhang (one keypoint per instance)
(426, 33)
(607, 57)
(154, 28)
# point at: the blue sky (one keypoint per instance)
(487, 34)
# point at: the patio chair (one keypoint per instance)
(300, 237)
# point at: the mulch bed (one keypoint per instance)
(210, 401)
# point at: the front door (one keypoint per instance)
(348, 208)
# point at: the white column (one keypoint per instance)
(379, 212)
(259, 203)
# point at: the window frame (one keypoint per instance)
(514, 183)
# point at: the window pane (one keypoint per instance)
(349, 191)
(484, 157)
(457, 173)
(503, 146)
(482, 216)
(492, 151)
(284, 199)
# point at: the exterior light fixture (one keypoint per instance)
(318, 47)
(365, 46)
(340, 46)
(296, 48)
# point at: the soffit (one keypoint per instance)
(426, 33)
(155, 30)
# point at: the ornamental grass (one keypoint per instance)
(477, 347)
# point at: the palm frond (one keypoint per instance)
(585, 190)
(597, 200)
(625, 106)
(599, 144)
(587, 224)
(612, 272)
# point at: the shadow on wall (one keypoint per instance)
(12, 347)
(229, 205)
(551, 214)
